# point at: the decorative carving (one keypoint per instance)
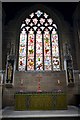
(69, 63)
(10, 69)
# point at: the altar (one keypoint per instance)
(40, 101)
(40, 91)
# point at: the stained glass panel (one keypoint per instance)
(31, 24)
(35, 21)
(46, 24)
(47, 51)
(30, 60)
(27, 21)
(45, 15)
(55, 26)
(55, 51)
(22, 50)
(38, 13)
(27, 28)
(39, 53)
(42, 21)
(50, 21)
(32, 14)
(22, 25)
(42, 28)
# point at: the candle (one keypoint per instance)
(58, 81)
(21, 81)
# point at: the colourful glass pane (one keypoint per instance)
(27, 28)
(42, 28)
(55, 51)
(50, 21)
(39, 53)
(55, 26)
(46, 24)
(35, 28)
(38, 24)
(50, 28)
(22, 25)
(31, 24)
(45, 15)
(22, 63)
(32, 14)
(47, 51)
(38, 13)
(42, 21)
(30, 60)
(35, 21)
(27, 21)
(22, 51)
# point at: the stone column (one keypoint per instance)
(0, 57)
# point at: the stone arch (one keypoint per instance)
(54, 14)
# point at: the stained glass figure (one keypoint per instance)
(30, 60)
(39, 53)
(47, 51)
(55, 51)
(22, 50)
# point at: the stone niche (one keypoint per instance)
(45, 81)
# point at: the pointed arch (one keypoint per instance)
(42, 48)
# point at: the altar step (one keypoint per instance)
(50, 118)
(9, 113)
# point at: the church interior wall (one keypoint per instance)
(11, 36)
(0, 36)
(0, 53)
(76, 28)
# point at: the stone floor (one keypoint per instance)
(9, 112)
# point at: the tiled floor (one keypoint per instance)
(9, 112)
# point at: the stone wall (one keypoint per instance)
(0, 56)
(0, 35)
(48, 83)
(76, 28)
(72, 91)
(48, 80)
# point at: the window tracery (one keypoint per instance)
(39, 47)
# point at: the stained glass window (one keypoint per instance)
(39, 43)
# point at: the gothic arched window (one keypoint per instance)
(38, 47)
